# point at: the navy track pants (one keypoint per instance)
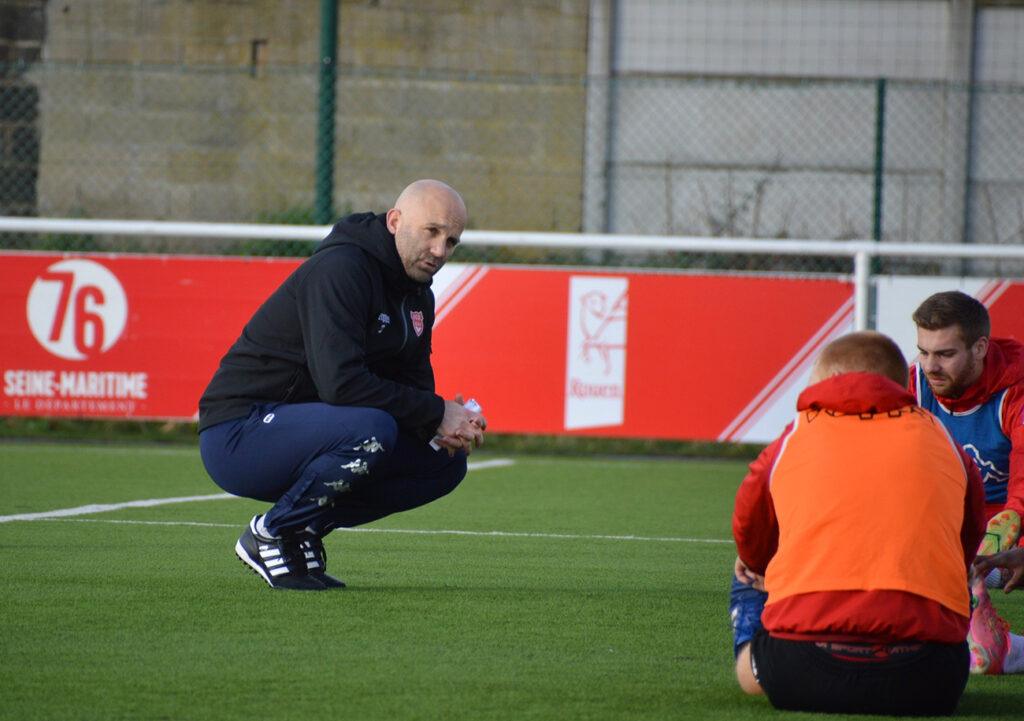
(325, 466)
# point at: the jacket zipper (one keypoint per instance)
(405, 323)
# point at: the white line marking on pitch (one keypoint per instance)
(495, 463)
(103, 507)
(70, 513)
(426, 532)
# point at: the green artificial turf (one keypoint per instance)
(550, 588)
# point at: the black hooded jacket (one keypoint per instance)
(348, 327)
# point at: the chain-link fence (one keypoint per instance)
(762, 158)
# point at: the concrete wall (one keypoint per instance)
(777, 160)
(758, 117)
(720, 117)
(206, 110)
(527, 37)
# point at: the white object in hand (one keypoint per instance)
(471, 405)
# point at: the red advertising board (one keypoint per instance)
(655, 355)
(120, 336)
(669, 355)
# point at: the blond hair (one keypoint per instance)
(866, 351)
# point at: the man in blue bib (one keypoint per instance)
(974, 384)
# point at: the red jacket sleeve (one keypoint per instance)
(1013, 427)
(754, 525)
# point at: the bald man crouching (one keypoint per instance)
(325, 406)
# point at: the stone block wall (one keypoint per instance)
(206, 109)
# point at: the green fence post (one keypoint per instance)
(879, 155)
(323, 212)
(876, 231)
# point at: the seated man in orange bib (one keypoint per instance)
(859, 615)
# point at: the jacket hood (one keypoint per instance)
(855, 393)
(369, 231)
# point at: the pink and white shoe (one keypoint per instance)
(988, 636)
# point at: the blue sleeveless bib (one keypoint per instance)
(980, 432)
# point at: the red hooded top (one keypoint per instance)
(878, 603)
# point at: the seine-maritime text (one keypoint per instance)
(74, 384)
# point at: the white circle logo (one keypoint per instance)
(77, 309)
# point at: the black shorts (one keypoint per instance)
(924, 679)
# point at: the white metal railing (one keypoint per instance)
(860, 251)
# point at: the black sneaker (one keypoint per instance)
(282, 562)
(315, 545)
